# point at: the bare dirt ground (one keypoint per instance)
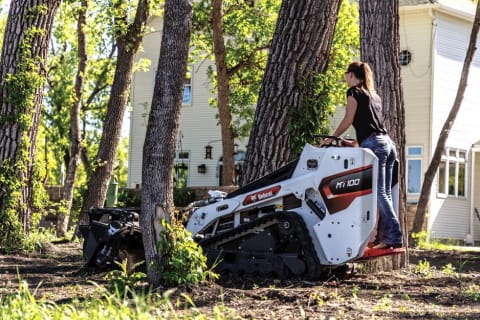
(447, 288)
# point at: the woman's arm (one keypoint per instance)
(346, 121)
(348, 118)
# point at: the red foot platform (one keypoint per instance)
(373, 253)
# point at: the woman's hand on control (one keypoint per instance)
(326, 142)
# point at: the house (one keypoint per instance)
(199, 144)
(434, 37)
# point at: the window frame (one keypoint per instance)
(181, 168)
(414, 157)
(188, 84)
(457, 159)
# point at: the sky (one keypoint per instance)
(5, 5)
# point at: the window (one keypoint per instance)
(183, 155)
(451, 173)
(181, 169)
(187, 89)
(414, 170)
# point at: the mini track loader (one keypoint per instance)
(316, 213)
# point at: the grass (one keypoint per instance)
(121, 299)
(423, 268)
(126, 296)
(440, 244)
(22, 305)
(468, 291)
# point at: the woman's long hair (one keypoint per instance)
(363, 72)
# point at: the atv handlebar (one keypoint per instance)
(122, 214)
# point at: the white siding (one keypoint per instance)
(141, 98)
(452, 219)
(416, 35)
(452, 42)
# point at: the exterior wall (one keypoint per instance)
(416, 36)
(198, 124)
(451, 216)
(141, 97)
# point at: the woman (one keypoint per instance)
(364, 112)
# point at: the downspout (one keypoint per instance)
(472, 196)
(433, 18)
(475, 149)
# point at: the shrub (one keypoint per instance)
(183, 259)
(121, 282)
(132, 197)
(129, 198)
(183, 196)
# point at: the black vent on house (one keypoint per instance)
(405, 57)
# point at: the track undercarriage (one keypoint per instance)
(275, 245)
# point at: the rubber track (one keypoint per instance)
(313, 268)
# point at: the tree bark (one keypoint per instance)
(75, 129)
(162, 130)
(128, 42)
(22, 78)
(380, 47)
(300, 50)
(223, 94)
(420, 215)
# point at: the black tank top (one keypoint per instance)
(368, 116)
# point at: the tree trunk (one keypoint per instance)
(300, 50)
(128, 42)
(223, 94)
(22, 77)
(75, 130)
(162, 130)
(420, 215)
(380, 47)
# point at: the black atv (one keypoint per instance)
(112, 236)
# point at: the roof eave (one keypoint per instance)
(461, 14)
(418, 7)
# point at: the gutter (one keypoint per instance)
(419, 7)
(443, 6)
(448, 7)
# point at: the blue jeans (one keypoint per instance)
(388, 226)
